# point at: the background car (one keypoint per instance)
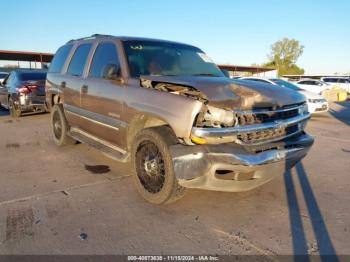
(315, 102)
(3, 75)
(23, 91)
(313, 85)
(341, 82)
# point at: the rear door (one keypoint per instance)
(72, 82)
(102, 98)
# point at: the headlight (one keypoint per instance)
(217, 117)
(303, 109)
(317, 100)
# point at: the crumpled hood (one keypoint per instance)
(231, 93)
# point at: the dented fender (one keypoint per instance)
(178, 111)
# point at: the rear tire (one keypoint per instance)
(153, 170)
(15, 111)
(60, 127)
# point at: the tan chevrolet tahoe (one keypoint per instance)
(170, 111)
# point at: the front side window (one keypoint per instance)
(77, 64)
(105, 54)
(60, 59)
(168, 59)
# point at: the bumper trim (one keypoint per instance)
(232, 131)
(198, 166)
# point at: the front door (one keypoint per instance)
(102, 96)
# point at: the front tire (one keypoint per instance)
(15, 111)
(60, 127)
(153, 170)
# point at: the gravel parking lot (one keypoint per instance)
(74, 200)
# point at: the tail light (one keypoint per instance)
(26, 89)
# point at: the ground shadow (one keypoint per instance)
(343, 114)
(300, 245)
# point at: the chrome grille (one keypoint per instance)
(267, 135)
(261, 116)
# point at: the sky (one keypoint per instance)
(229, 31)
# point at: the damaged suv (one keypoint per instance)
(170, 111)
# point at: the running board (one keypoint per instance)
(105, 147)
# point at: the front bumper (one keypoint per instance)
(321, 107)
(231, 167)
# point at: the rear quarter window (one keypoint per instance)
(60, 59)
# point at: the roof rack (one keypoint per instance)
(94, 36)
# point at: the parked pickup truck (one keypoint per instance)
(170, 111)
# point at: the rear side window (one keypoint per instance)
(11, 78)
(77, 64)
(313, 83)
(341, 80)
(3, 75)
(330, 80)
(59, 59)
(105, 54)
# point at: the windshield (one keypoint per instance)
(286, 84)
(168, 59)
(32, 76)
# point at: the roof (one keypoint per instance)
(253, 69)
(25, 56)
(126, 38)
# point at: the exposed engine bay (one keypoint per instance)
(210, 116)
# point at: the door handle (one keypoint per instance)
(84, 89)
(63, 84)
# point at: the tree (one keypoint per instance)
(283, 56)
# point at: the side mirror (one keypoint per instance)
(111, 72)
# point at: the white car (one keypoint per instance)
(3, 75)
(313, 85)
(341, 82)
(315, 102)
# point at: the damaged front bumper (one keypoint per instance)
(232, 167)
